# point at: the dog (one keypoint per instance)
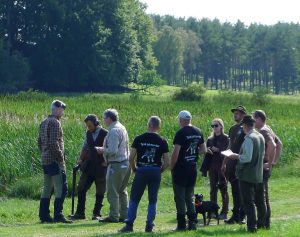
(204, 207)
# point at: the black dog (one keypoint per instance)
(204, 207)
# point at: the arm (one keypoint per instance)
(166, 162)
(83, 156)
(202, 148)
(132, 160)
(112, 143)
(54, 131)
(270, 154)
(246, 155)
(40, 142)
(278, 150)
(174, 156)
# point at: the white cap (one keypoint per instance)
(184, 114)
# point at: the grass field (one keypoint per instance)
(20, 116)
(19, 216)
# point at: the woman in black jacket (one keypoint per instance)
(217, 142)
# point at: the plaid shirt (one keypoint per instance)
(50, 141)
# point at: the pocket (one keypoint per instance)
(52, 169)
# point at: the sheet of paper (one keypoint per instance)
(227, 152)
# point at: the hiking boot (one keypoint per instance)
(192, 225)
(232, 220)
(96, 217)
(77, 216)
(46, 220)
(223, 216)
(62, 219)
(127, 228)
(181, 223)
(149, 228)
(108, 220)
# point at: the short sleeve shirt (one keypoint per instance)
(189, 138)
(150, 147)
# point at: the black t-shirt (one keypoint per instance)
(189, 138)
(236, 136)
(150, 147)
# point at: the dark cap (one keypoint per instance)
(239, 108)
(248, 120)
(260, 114)
(59, 104)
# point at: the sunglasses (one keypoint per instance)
(214, 125)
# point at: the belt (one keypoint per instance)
(116, 162)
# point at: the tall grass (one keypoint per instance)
(20, 116)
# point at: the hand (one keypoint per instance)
(209, 151)
(79, 162)
(99, 150)
(234, 156)
(215, 149)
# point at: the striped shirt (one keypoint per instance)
(50, 141)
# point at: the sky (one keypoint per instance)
(265, 12)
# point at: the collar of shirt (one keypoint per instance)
(112, 125)
(97, 130)
(251, 131)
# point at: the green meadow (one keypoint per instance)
(20, 169)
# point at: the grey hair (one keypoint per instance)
(112, 114)
(57, 104)
(154, 122)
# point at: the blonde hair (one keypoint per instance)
(221, 123)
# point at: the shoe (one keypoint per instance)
(223, 216)
(252, 230)
(49, 219)
(77, 216)
(149, 228)
(127, 228)
(108, 220)
(232, 220)
(96, 217)
(62, 219)
(192, 225)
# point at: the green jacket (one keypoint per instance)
(250, 164)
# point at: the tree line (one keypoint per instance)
(78, 45)
(228, 56)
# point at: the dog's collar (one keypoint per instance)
(198, 204)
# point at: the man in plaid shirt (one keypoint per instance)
(51, 145)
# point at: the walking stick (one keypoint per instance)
(75, 169)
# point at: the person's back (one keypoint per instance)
(51, 141)
(187, 143)
(252, 172)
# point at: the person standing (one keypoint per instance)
(116, 152)
(216, 143)
(273, 148)
(51, 145)
(148, 159)
(93, 168)
(249, 171)
(236, 136)
(188, 143)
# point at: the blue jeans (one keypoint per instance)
(145, 177)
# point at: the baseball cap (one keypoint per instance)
(239, 108)
(184, 114)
